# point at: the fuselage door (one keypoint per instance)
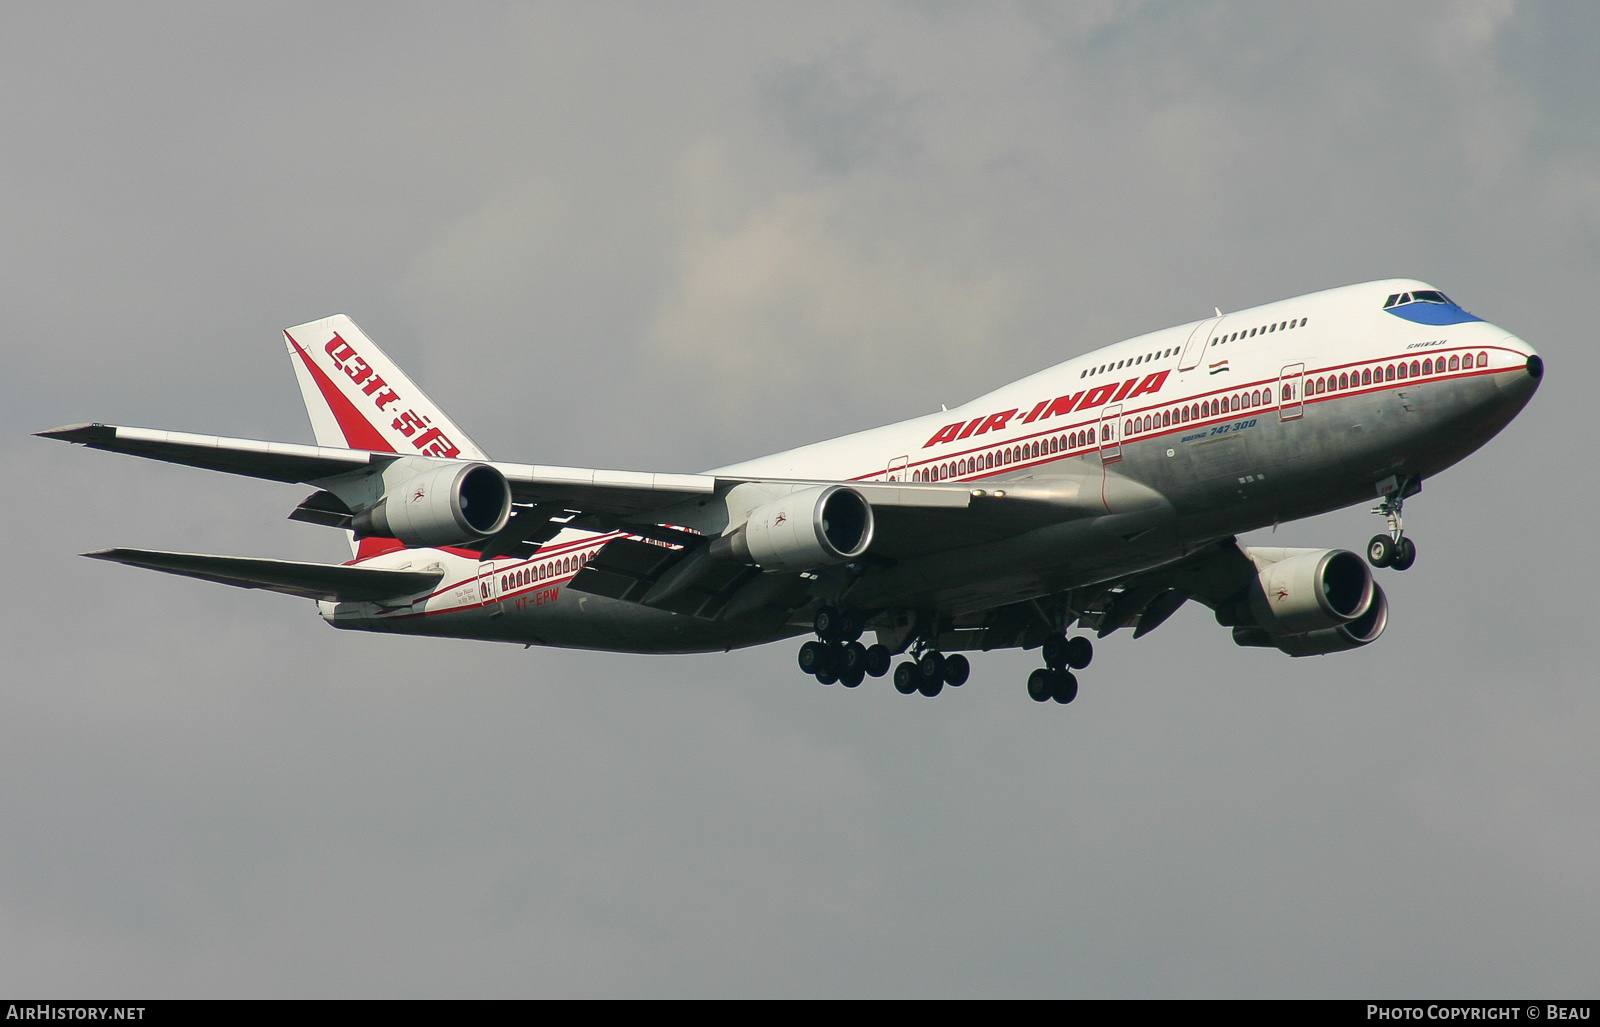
(489, 588)
(897, 469)
(1290, 382)
(1195, 349)
(1111, 434)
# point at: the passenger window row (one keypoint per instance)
(1394, 372)
(1280, 326)
(1118, 365)
(541, 570)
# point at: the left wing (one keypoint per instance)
(332, 582)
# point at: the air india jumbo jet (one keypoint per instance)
(1102, 493)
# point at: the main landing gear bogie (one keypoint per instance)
(837, 656)
(929, 672)
(1047, 683)
(1055, 680)
(848, 663)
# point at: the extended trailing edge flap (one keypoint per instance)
(682, 580)
(333, 582)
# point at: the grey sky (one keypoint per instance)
(672, 236)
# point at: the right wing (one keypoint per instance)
(275, 461)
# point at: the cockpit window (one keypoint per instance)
(1420, 296)
(1427, 307)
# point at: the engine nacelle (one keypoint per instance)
(445, 506)
(1308, 602)
(813, 527)
(1308, 590)
(1364, 630)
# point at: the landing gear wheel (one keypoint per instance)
(851, 679)
(836, 624)
(1055, 652)
(1406, 556)
(1064, 687)
(827, 623)
(814, 656)
(827, 675)
(905, 678)
(1079, 652)
(1040, 685)
(930, 667)
(930, 687)
(956, 670)
(1381, 551)
(852, 659)
(878, 660)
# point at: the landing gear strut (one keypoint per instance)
(1394, 549)
(837, 655)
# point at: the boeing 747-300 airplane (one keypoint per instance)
(1102, 493)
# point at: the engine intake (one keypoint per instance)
(811, 527)
(446, 506)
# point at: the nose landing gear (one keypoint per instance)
(1394, 549)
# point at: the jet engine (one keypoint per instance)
(445, 506)
(1351, 635)
(812, 527)
(1308, 602)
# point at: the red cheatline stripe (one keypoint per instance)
(359, 432)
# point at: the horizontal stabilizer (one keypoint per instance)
(308, 580)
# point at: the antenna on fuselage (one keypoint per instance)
(1218, 310)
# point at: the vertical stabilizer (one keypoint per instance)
(358, 398)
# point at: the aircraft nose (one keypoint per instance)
(1532, 362)
(1527, 370)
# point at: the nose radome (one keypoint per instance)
(1531, 361)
